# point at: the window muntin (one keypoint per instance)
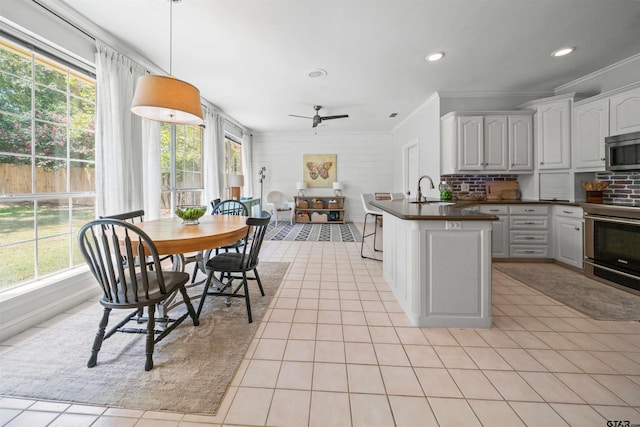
(47, 163)
(181, 167)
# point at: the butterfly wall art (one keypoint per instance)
(319, 170)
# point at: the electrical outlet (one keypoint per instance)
(453, 225)
(464, 186)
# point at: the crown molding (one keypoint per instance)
(431, 98)
(632, 60)
(494, 94)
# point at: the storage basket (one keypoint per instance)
(319, 217)
(318, 205)
(303, 204)
(302, 217)
(333, 205)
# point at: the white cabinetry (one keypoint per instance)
(487, 142)
(567, 232)
(625, 112)
(590, 127)
(553, 134)
(529, 231)
(500, 234)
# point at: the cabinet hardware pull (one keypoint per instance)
(529, 222)
(494, 210)
(529, 252)
(529, 238)
(529, 210)
(567, 212)
(603, 159)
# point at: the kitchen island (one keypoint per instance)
(437, 261)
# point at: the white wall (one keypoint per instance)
(423, 126)
(363, 162)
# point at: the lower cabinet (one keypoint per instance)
(568, 237)
(500, 233)
(529, 231)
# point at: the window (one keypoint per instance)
(181, 165)
(232, 156)
(47, 163)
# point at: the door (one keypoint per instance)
(520, 143)
(470, 143)
(568, 244)
(495, 143)
(591, 126)
(410, 165)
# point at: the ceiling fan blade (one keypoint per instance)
(342, 116)
(302, 117)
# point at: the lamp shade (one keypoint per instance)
(167, 99)
(337, 185)
(235, 180)
(301, 185)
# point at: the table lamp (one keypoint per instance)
(301, 186)
(235, 182)
(337, 188)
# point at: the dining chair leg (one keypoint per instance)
(246, 295)
(151, 325)
(365, 235)
(187, 302)
(207, 283)
(255, 271)
(97, 342)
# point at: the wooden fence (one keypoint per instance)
(16, 179)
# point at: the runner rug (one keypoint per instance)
(588, 296)
(192, 366)
(313, 232)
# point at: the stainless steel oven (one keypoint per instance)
(612, 245)
(622, 152)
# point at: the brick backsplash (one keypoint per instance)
(476, 182)
(623, 189)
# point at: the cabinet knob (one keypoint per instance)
(577, 228)
(603, 159)
(542, 163)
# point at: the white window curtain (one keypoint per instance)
(247, 163)
(151, 169)
(213, 156)
(122, 148)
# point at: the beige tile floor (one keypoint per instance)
(335, 349)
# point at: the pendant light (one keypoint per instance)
(165, 98)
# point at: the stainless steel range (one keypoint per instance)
(612, 245)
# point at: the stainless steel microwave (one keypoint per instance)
(622, 152)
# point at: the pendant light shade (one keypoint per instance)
(167, 99)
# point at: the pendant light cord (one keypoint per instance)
(171, 37)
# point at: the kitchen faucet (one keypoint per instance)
(419, 199)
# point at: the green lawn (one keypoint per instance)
(18, 239)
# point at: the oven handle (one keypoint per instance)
(612, 219)
(613, 270)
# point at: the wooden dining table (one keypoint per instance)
(172, 237)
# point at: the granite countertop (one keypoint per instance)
(455, 211)
(430, 211)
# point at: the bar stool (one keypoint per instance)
(375, 213)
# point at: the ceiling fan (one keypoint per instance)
(317, 119)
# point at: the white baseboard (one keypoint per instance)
(27, 306)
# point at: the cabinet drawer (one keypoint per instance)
(525, 251)
(569, 211)
(529, 210)
(529, 222)
(528, 237)
(495, 209)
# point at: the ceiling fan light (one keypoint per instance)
(434, 56)
(167, 99)
(563, 51)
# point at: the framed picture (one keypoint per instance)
(319, 170)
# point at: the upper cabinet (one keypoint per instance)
(487, 142)
(553, 134)
(590, 127)
(625, 112)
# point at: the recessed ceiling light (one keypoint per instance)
(434, 56)
(316, 73)
(563, 51)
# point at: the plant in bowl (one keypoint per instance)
(190, 214)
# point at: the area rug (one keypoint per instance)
(588, 296)
(313, 232)
(192, 366)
